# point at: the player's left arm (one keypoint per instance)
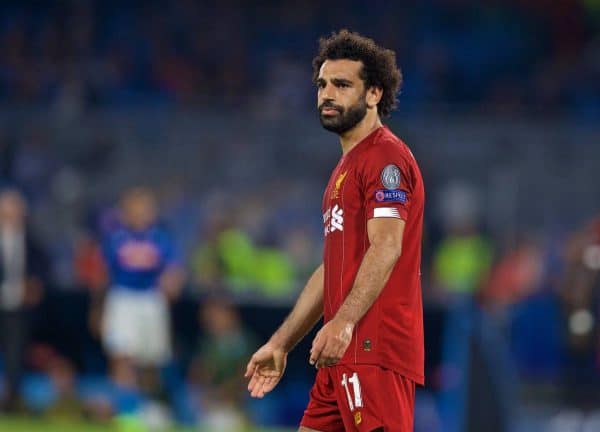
(173, 276)
(385, 238)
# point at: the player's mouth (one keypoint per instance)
(329, 111)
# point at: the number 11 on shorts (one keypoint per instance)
(355, 389)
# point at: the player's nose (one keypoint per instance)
(327, 93)
(326, 101)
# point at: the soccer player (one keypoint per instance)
(369, 352)
(144, 274)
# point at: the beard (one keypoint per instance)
(346, 118)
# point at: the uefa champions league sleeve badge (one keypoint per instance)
(390, 177)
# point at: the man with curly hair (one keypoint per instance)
(369, 352)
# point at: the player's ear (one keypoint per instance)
(374, 95)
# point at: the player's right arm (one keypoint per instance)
(267, 365)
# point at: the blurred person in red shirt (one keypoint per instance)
(90, 269)
(516, 275)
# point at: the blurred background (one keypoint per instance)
(174, 147)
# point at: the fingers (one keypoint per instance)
(262, 384)
(250, 368)
(328, 346)
(325, 352)
(269, 384)
(316, 350)
(262, 380)
(326, 362)
(253, 382)
(257, 390)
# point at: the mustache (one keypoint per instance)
(330, 105)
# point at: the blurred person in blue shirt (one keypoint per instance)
(145, 274)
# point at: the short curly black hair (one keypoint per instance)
(379, 64)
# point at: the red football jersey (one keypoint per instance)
(379, 177)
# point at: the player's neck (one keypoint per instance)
(351, 138)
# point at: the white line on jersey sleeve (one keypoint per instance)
(386, 212)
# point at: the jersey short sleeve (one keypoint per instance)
(387, 183)
(171, 256)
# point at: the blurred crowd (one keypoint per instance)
(537, 295)
(132, 275)
(206, 223)
(489, 55)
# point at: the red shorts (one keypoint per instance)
(360, 398)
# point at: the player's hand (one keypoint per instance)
(265, 369)
(330, 343)
(171, 283)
